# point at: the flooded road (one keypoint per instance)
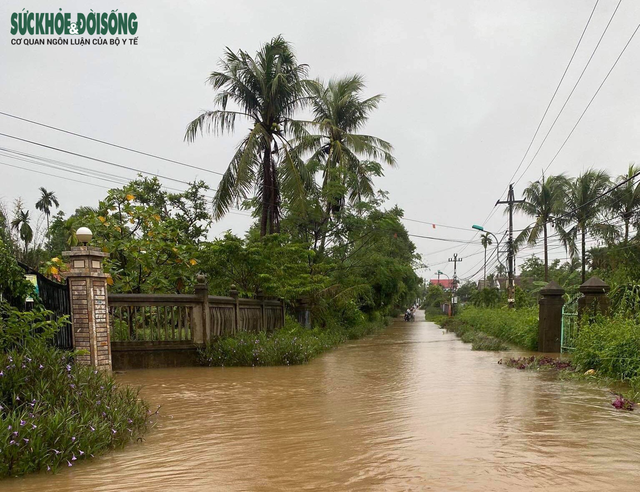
(410, 409)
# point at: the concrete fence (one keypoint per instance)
(123, 331)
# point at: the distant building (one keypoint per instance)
(445, 283)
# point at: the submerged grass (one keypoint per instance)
(290, 345)
(469, 334)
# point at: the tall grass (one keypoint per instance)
(290, 345)
(514, 326)
(611, 346)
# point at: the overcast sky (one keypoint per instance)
(466, 83)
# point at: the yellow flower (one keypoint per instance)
(54, 271)
(55, 260)
(130, 197)
(102, 219)
(109, 281)
(156, 216)
(193, 261)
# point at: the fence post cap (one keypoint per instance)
(552, 289)
(595, 285)
(201, 278)
(233, 291)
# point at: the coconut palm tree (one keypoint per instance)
(624, 201)
(584, 208)
(266, 91)
(20, 223)
(345, 156)
(543, 200)
(47, 200)
(485, 240)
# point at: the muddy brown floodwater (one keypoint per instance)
(409, 409)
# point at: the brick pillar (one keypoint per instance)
(233, 292)
(594, 298)
(202, 314)
(263, 314)
(550, 318)
(89, 306)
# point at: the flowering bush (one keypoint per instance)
(53, 412)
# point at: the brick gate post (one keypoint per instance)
(550, 318)
(89, 306)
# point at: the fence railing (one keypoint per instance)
(189, 318)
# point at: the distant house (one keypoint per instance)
(445, 283)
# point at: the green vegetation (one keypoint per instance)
(610, 346)
(516, 326)
(290, 345)
(469, 334)
(53, 412)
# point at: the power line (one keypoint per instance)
(566, 69)
(571, 93)
(111, 144)
(439, 239)
(121, 166)
(592, 99)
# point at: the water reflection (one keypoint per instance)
(410, 409)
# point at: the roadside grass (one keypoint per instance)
(517, 327)
(290, 345)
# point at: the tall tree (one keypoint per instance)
(584, 208)
(544, 201)
(625, 200)
(267, 90)
(47, 200)
(485, 240)
(20, 223)
(347, 159)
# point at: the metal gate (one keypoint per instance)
(55, 297)
(569, 331)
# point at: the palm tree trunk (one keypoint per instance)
(275, 200)
(546, 254)
(584, 254)
(48, 237)
(266, 189)
(484, 286)
(626, 230)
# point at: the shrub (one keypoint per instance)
(290, 345)
(53, 412)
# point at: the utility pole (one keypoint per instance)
(454, 284)
(510, 201)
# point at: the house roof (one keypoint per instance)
(445, 283)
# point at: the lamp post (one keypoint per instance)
(482, 229)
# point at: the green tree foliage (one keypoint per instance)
(152, 235)
(13, 286)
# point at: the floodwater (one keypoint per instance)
(410, 409)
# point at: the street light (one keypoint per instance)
(482, 229)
